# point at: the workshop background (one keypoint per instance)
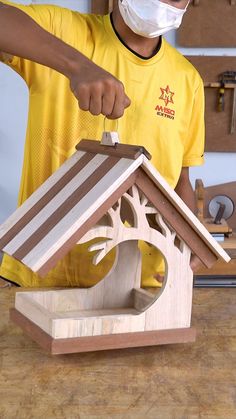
(218, 167)
(182, 381)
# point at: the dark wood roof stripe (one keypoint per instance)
(119, 150)
(39, 193)
(80, 213)
(175, 219)
(63, 195)
(61, 183)
(82, 230)
(63, 209)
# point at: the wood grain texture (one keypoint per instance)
(65, 203)
(68, 315)
(27, 222)
(165, 207)
(229, 245)
(204, 18)
(101, 310)
(142, 298)
(55, 225)
(101, 343)
(221, 268)
(89, 223)
(119, 150)
(20, 218)
(52, 229)
(150, 195)
(218, 124)
(195, 380)
(101, 6)
(177, 202)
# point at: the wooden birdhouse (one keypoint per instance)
(84, 200)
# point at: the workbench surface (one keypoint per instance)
(187, 381)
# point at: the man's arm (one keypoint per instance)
(185, 191)
(97, 91)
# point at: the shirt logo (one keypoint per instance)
(167, 97)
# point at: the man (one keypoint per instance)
(116, 66)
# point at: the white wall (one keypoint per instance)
(218, 168)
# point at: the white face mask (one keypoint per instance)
(150, 18)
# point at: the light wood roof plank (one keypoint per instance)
(48, 210)
(38, 195)
(58, 236)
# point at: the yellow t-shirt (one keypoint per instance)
(166, 116)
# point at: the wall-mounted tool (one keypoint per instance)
(221, 95)
(227, 79)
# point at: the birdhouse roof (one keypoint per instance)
(71, 201)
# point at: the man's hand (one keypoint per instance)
(98, 92)
(185, 191)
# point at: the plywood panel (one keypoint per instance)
(101, 343)
(213, 23)
(101, 6)
(218, 137)
(45, 220)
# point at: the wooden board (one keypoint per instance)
(218, 137)
(115, 312)
(213, 24)
(118, 150)
(229, 244)
(161, 382)
(112, 307)
(101, 343)
(205, 194)
(73, 200)
(55, 204)
(221, 268)
(177, 202)
(101, 6)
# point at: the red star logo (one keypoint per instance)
(166, 95)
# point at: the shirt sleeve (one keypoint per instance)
(54, 19)
(195, 141)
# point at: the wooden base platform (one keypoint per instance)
(99, 343)
(183, 381)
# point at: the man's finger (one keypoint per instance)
(83, 97)
(127, 101)
(95, 105)
(108, 103)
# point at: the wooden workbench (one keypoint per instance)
(187, 381)
(221, 267)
